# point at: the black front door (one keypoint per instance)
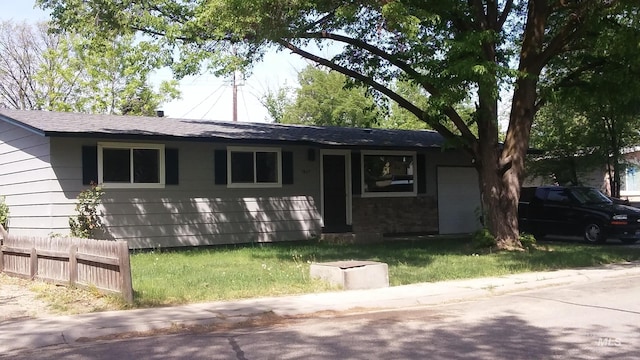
(334, 193)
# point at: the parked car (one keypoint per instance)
(581, 211)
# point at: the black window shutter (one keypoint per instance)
(89, 165)
(356, 172)
(220, 167)
(287, 167)
(171, 168)
(422, 175)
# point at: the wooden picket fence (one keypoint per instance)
(102, 264)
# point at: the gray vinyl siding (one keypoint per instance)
(28, 182)
(196, 211)
(206, 221)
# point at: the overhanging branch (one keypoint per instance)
(404, 103)
(449, 111)
(572, 79)
(505, 14)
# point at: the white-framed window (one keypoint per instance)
(131, 165)
(388, 173)
(255, 167)
(631, 180)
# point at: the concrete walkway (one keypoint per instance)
(70, 329)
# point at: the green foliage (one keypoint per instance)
(118, 73)
(71, 72)
(277, 102)
(592, 114)
(528, 241)
(4, 213)
(568, 140)
(87, 220)
(586, 123)
(400, 118)
(482, 239)
(325, 98)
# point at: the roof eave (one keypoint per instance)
(24, 126)
(219, 139)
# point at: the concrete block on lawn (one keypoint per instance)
(352, 274)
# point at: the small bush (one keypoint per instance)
(528, 241)
(87, 221)
(4, 213)
(483, 239)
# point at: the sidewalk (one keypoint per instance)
(69, 329)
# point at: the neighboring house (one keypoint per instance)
(178, 182)
(598, 177)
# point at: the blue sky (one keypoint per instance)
(205, 96)
(20, 10)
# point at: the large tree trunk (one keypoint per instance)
(499, 181)
(500, 196)
(500, 202)
(501, 169)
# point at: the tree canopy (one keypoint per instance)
(67, 72)
(324, 98)
(590, 116)
(454, 50)
(605, 96)
(329, 98)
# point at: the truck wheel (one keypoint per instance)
(594, 233)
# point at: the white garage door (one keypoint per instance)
(458, 200)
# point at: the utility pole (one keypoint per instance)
(234, 85)
(236, 81)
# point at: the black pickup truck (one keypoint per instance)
(578, 211)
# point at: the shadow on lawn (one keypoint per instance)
(423, 251)
(406, 251)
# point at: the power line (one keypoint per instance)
(203, 100)
(244, 102)
(214, 104)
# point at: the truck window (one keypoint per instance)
(541, 193)
(558, 196)
(590, 196)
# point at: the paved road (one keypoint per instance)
(592, 320)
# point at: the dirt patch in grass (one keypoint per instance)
(18, 302)
(22, 299)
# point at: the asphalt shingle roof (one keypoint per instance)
(62, 124)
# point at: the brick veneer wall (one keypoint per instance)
(395, 215)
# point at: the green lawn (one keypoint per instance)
(234, 272)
